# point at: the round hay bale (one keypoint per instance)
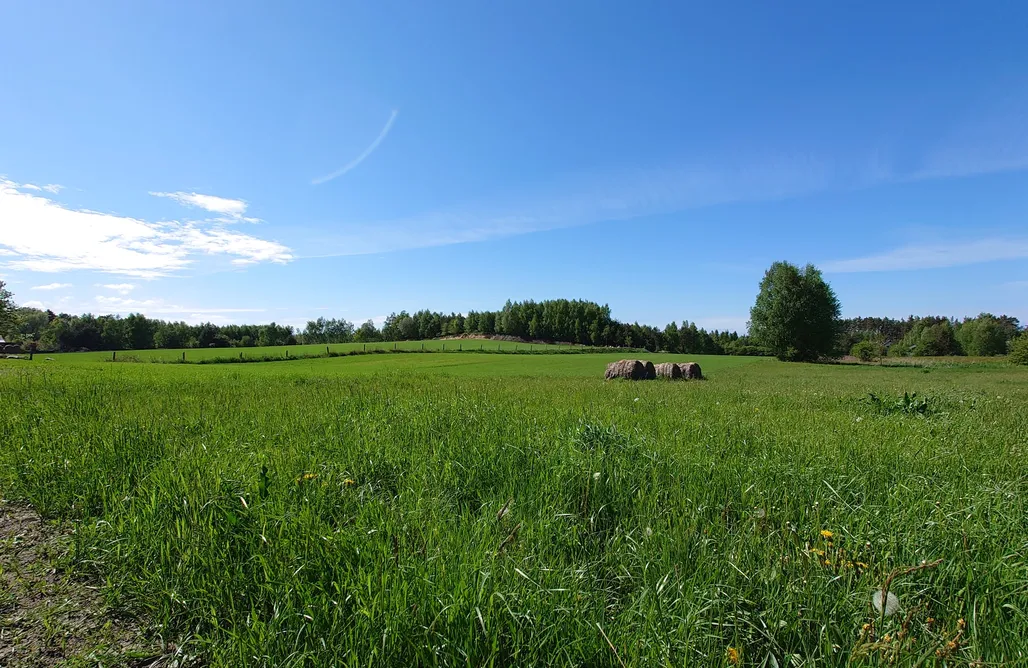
(630, 370)
(668, 370)
(691, 371)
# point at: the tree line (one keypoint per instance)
(561, 321)
(796, 316)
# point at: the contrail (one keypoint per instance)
(360, 158)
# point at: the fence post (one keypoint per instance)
(444, 347)
(114, 355)
(365, 347)
(326, 350)
(183, 356)
(460, 347)
(394, 346)
(422, 347)
(240, 354)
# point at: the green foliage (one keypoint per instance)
(868, 350)
(929, 337)
(983, 336)
(796, 315)
(1019, 350)
(6, 307)
(405, 510)
(908, 404)
(367, 333)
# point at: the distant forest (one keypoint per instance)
(558, 320)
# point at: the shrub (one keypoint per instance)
(867, 350)
(1019, 350)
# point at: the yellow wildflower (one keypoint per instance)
(348, 482)
(825, 533)
(733, 655)
(818, 552)
(961, 623)
(861, 564)
(306, 476)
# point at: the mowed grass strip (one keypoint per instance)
(474, 510)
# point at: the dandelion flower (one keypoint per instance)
(890, 605)
(348, 482)
(733, 655)
(825, 533)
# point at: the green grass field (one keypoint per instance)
(508, 510)
(195, 354)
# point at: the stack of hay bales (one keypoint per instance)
(631, 370)
(643, 370)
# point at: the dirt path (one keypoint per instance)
(49, 618)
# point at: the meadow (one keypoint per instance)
(257, 352)
(477, 510)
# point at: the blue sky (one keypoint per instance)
(272, 161)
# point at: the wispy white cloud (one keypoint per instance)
(33, 304)
(231, 209)
(82, 239)
(360, 158)
(121, 288)
(934, 256)
(52, 286)
(160, 307)
(619, 196)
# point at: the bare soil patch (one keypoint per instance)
(51, 618)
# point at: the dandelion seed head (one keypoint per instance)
(890, 606)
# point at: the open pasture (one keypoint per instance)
(197, 354)
(519, 510)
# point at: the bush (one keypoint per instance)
(867, 350)
(1019, 350)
